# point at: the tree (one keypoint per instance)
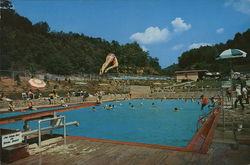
(41, 27)
(5, 4)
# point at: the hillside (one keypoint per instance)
(33, 47)
(204, 57)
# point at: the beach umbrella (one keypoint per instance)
(37, 83)
(231, 53)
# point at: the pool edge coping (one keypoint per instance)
(198, 144)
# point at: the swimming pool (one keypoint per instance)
(141, 121)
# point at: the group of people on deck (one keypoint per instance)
(8, 100)
(111, 62)
(242, 93)
(205, 101)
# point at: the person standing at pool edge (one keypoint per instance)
(110, 58)
(204, 102)
(239, 97)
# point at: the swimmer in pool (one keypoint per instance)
(105, 107)
(176, 109)
(132, 107)
(111, 106)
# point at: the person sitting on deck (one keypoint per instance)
(51, 98)
(63, 102)
(31, 95)
(9, 101)
(54, 92)
(30, 105)
(213, 101)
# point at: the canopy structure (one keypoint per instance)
(231, 53)
(37, 83)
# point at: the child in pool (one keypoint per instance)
(176, 109)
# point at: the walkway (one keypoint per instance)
(98, 153)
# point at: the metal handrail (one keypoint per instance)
(26, 133)
(54, 118)
(204, 117)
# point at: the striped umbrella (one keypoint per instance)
(37, 83)
(231, 53)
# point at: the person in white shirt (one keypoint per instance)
(244, 92)
(239, 97)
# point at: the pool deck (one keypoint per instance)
(100, 153)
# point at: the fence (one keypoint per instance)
(79, 77)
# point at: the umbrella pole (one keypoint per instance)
(231, 69)
(223, 108)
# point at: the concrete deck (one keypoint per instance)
(99, 153)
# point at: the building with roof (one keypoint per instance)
(188, 75)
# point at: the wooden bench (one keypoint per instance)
(14, 153)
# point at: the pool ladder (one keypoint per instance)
(55, 123)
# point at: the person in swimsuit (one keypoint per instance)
(111, 58)
(204, 101)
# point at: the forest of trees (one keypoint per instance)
(33, 47)
(204, 57)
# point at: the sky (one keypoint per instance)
(164, 28)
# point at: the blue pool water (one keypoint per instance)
(142, 121)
